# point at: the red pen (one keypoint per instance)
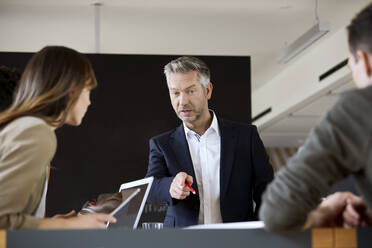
(190, 188)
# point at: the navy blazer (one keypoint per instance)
(244, 173)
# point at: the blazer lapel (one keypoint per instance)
(181, 150)
(228, 148)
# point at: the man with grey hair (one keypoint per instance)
(223, 163)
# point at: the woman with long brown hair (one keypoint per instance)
(53, 90)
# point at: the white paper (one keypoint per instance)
(235, 225)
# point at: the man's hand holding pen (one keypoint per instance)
(180, 187)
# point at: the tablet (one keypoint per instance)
(125, 202)
(134, 195)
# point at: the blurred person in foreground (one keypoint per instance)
(340, 145)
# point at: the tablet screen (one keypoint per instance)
(127, 215)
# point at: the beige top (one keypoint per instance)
(27, 145)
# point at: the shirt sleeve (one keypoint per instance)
(25, 153)
(335, 148)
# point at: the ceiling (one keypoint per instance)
(267, 25)
(293, 129)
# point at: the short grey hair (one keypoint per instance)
(187, 64)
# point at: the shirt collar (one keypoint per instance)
(214, 125)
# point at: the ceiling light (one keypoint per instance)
(305, 40)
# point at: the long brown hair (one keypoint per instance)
(50, 85)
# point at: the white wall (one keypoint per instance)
(28, 28)
(130, 30)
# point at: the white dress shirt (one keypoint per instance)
(40, 212)
(205, 155)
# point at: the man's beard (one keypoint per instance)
(190, 119)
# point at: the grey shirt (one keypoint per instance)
(339, 145)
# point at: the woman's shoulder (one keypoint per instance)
(28, 127)
(26, 121)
